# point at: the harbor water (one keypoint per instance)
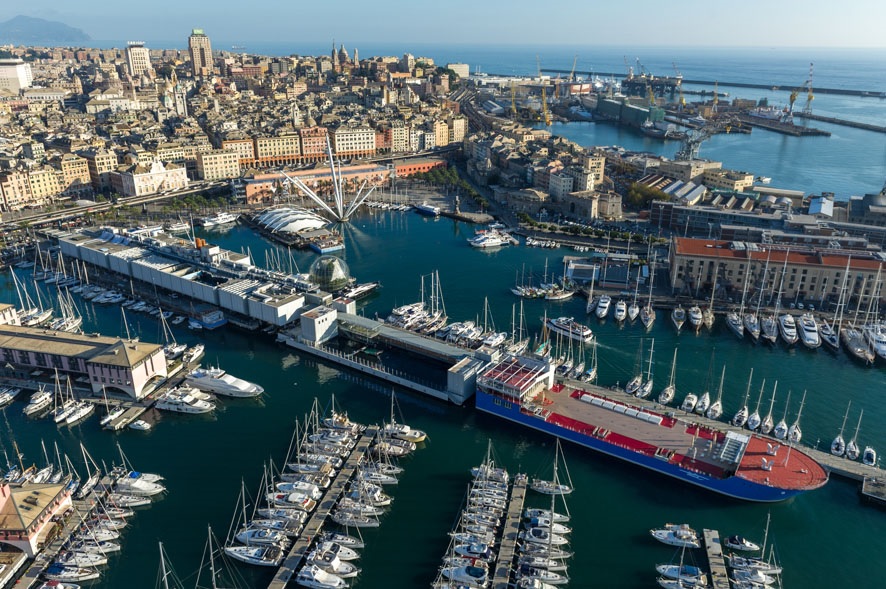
(204, 459)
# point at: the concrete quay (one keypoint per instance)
(314, 525)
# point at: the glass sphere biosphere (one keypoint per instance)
(330, 273)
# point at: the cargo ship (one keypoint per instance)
(739, 464)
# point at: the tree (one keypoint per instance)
(640, 195)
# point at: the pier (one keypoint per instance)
(508, 547)
(844, 122)
(873, 490)
(716, 562)
(315, 524)
(784, 128)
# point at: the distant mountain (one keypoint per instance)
(27, 30)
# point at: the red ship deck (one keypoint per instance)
(693, 445)
(791, 469)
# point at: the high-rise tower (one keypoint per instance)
(201, 53)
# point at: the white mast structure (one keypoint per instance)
(343, 210)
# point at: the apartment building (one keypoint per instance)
(218, 164)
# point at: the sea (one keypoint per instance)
(824, 538)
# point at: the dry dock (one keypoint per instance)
(508, 547)
(315, 524)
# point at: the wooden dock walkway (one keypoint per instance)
(314, 525)
(833, 464)
(716, 562)
(508, 547)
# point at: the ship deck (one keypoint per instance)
(671, 440)
(677, 439)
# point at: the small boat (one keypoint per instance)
(869, 456)
(740, 543)
(140, 425)
(689, 403)
(680, 535)
(787, 327)
(467, 576)
(852, 451)
(126, 500)
(838, 446)
(678, 317)
(695, 317)
(542, 536)
(667, 393)
(261, 536)
(546, 513)
(269, 556)
(621, 311)
(331, 563)
(549, 487)
(543, 522)
(603, 305)
(63, 573)
(691, 575)
(342, 539)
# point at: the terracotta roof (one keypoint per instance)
(712, 248)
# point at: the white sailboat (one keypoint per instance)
(678, 317)
(667, 393)
(554, 487)
(634, 308)
(647, 313)
(716, 408)
(591, 304)
(795, 434)
(768, 423)
(734, 320)
(707, 314)
(755, 420)
(637, 380)
(646, 387)
(852, 449)
(838, 446)
(741, 416)
(704, 401)
(781, 428)
(830, 334)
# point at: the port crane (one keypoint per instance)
(695, 137)
(545, 116)
(807, 110)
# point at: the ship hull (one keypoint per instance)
(733, 486)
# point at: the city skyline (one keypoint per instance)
(640, 23)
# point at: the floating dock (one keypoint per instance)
(508, 548)
(844, 122)
(314, 525)
(784, 128)
(716, 562)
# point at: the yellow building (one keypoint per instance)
(218, 164)
(275, 151)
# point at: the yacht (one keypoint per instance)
(603, 305)
(487, 239)
(647, 316)
(678, 317)
(875, 336)
(331, 563)
(869, 456)
(680, 535)
(787, 327)
(81, 411)
(269, 556)
(570, 328)
(696, 319)
(734, 322)
(621, 310)
(183, 402)
(752, 326)
(807, 330)
(467, 576)
(689, 402)
(220, 218)
(215, 380)
(769, 329)
(39, 401)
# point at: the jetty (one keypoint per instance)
(510, 531)
(873, 490)
(716, 562)
(784, 128)
(314, 525)
(843, 122)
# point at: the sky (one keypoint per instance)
(711, 23)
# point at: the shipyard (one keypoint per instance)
(380, 317)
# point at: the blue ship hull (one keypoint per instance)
(733, 486)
